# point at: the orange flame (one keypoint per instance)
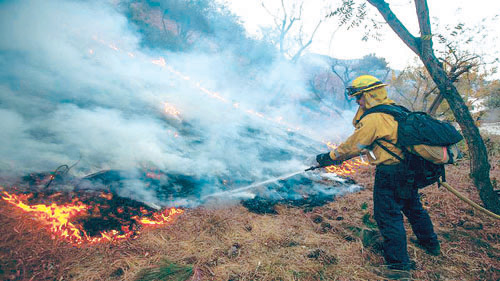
(58, 218)
(348, 167)
(171, 110)
(162, 63)
(160, 218)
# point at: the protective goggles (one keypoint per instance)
(357, 91)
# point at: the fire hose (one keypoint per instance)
(468, 201)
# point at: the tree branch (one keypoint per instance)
(423, 21)
(303, 47)
(396, 24)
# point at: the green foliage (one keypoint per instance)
(349, 14)
(180, 25)
(364, 206)
(454, 43)
(166, 270)
(204, 26)
(353, 15)
(367, 220)
(373, 65)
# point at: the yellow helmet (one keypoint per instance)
(363, 84)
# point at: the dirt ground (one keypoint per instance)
(336, 241)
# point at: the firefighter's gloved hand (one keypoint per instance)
(324, 160)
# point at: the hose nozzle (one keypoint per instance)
(312, 168)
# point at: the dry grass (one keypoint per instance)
(234, 244)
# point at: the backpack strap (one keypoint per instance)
(388, 150)
(397, 111)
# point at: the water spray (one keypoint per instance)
(234, 191)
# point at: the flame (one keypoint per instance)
(175, 134)
(108, 196)
(58, 219)
(160, 218)
(348, 167)
(162, 63)
(56, 216)
(153, 175)
(171, 110)
(331, 146)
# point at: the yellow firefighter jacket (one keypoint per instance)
(372, 127)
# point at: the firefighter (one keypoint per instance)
(392, 197)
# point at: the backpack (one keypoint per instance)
(427, 144)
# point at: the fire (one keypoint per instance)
(348, 167)
(61, 219)
(162, 63)
(171, 110)
(56, 216)
(331, 145)
(166, 216)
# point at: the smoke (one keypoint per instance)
(75, 84)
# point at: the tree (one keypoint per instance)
(444, 76)
(348, 70)
(412, 88)
(172, 24)
(184, 25)
(291, 44)
(423, 47)
(493, 99)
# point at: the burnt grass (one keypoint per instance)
(297, 191)
(316, 239)
(262, 205)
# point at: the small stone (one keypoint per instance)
(472, 225)
(317, 219)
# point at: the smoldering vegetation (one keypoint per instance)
(80, 86)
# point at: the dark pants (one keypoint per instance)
(390, 198)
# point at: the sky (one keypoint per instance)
(347, 44)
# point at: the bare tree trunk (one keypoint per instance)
(422, 46)
(435, 104)
(480, 167)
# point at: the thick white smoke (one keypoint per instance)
(74, 83)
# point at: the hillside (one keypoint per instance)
(160, 115)
(335, 241)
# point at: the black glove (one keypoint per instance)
(324, 160)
